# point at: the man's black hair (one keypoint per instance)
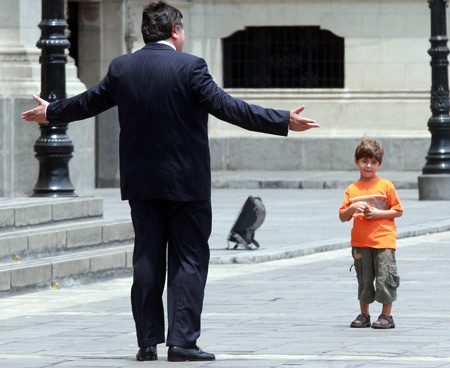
(158, 20)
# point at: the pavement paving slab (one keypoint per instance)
(293, 312)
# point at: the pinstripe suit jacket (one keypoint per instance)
(163, 98)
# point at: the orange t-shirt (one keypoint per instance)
(379, 193)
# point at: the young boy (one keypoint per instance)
(373, 204)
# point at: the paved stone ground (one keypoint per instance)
(287, 313)
(291, 312)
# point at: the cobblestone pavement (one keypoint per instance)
(287, 313)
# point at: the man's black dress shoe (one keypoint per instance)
(177, 354)
(147, 353)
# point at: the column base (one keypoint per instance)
(434, 187)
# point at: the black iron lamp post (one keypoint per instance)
(53, 148)
(435, 181)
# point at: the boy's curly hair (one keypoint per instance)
(369, 148)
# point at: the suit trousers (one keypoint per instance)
(176, 233)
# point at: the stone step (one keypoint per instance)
(61, 237)
(88, 263)
(18, 213)
(45, 240)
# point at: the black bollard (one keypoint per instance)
(438, 158)
(53, 148)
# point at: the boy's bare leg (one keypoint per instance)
(387, 309)
(364, 308)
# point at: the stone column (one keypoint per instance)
(113, 25)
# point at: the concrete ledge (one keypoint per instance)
(302, 179)
(83, 236)
(51, 240)
(33, 215)
(26, 276)
(70, 267)
(105, 262)
(119, 231)
(15, 276)
(95, 207)
(283, 252)
(64, 237)
(22, 212)
(327, 153)
(5, 280)
(434, 187)
(130, 259)
(7, 217)
(70, 210)
(78, 208)
(8, 246)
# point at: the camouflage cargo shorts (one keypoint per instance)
(376, 271)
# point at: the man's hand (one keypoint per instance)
(300, 124)
(38, 113)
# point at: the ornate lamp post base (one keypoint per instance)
(54, 151)
(53, 148)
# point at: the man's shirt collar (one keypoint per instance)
(168, 44)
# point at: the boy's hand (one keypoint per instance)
(372, 213)
(360, 206)
(356, 209)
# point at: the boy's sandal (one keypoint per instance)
(363, 320)
(384, 322)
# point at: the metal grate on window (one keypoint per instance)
(283, 57)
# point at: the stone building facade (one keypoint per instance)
(377, 82)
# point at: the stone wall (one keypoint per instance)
(387, 71)
(298, 153)
(387, 79)
(386, 93)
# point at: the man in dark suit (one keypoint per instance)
(163, 98)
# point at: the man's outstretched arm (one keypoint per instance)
(238, 112)
(82, 106)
